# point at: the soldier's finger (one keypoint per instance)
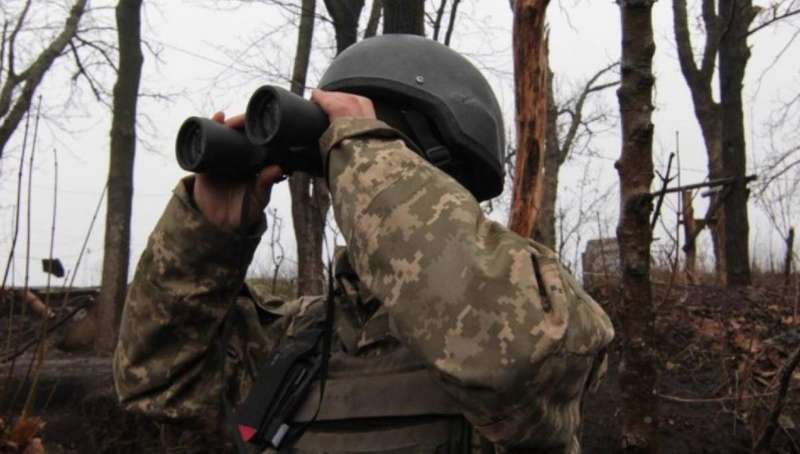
(219, 117)
(235, 122)
(323, 98)
(367, 108)
(269, 176)
(264, 182)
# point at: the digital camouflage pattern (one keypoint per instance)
(506, 331)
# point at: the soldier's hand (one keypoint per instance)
(223, 201)
(343, 105)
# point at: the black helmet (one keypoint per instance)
(426, 80)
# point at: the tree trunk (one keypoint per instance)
(374, 19)
(308, 203)
(530, 80)
(733, 56)
(345, 15)
(706, 110)
(310, 197)
(545, 232)
(404, 16)
(709, 117)
(116, 253)
(12, 111)
(638, 373)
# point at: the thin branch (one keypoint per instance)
(576, 112)
(786, 14)
(13, 37)
(103, 52)
(3, 47)
(785, 374)
(711, 48)
(452, 23)
(437, 24)
(81, 71)
(35, 72)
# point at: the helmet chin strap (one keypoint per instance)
(416, 128)
(422, 134)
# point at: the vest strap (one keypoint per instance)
(398, 394)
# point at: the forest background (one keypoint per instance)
(205, 56)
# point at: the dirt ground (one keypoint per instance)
(719, 352)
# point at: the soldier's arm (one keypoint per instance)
(508, 332)
(186, 280)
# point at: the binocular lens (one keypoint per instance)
(196, 147)
(190, 145)
(263, 116)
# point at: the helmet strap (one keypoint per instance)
(423, 135)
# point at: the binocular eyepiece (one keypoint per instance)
(280, 128)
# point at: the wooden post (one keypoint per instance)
(787, 262)
(530, 80)
(689, 229)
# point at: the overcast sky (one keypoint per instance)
(209, 60)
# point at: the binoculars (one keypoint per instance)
(280, 128)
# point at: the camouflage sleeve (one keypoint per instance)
(508, 332)
(186, 281)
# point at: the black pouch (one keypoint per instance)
(284, 381)
(264, 418)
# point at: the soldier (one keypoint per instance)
(447, 324)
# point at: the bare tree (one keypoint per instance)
(778, 198)
(310, 197)
(734, 52)
(531, 80)
(707, 110)
(570, 127)
(116, 255)
(435, 21)
(727, 25)
(638, 372)
(18, 84)
(404, 16)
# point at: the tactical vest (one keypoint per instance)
(384, 403)
(378, 396)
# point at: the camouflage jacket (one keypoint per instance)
(503, 328)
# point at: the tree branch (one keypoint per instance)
(785, 374)
(81, 71)
(374, 19)
(789, 12)
(13, 37)
(103, 52)
(452, 23)
(576, 112)
(437, 24)
(35, 72)
(711, 48)
(683, 40)
(3, 48)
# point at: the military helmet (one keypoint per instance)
(462, 129)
